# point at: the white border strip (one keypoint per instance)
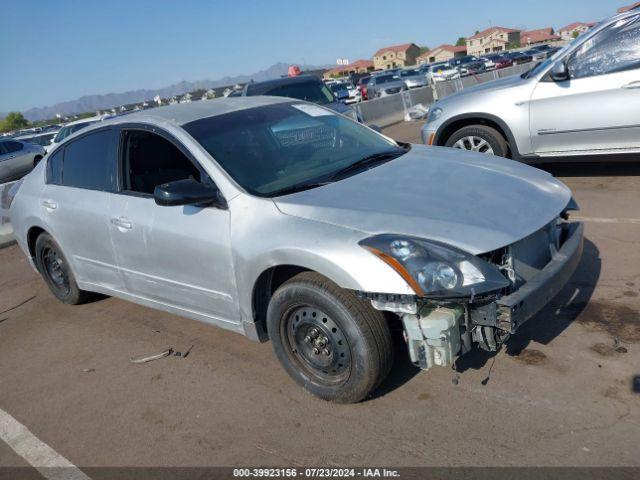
(38, 454)
(635, 221)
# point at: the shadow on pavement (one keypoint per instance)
(592, 169)
(553, 319)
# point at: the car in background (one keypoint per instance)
(439, 72)
(500, 60)
(536, 55)
(17, 158)
(582, 103)
(519, 58)
(303, 87)
(413, 78)
(354, 94)
(279, 220)
(42, 139)
(468, 64)
(362, 86)
(72, 127)
(488, 63)
(385, 84)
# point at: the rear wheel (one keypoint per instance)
(57, 274)
(481, 139)
(329, 341)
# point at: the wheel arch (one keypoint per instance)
(32, 235)
(477, 118)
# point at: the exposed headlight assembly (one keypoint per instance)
(434, 114)
(434, 269)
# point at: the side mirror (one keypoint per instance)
(559, 72)
(188, 192)
(375, 128)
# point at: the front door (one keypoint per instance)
(596, 109)
(177, 256)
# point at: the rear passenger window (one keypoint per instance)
(54, 168)
(87, 162)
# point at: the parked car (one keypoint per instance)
(303, 87)
(17, 158)
(440, 72)
(274, 218)
(413, 78)
(385, 84)
(500, 61)
(536, 55)
(468, 64)
(72, 127)
(489, 64)
(42, 139)
(362, 86)
(519, 57)
(580, 103)
(354, 94)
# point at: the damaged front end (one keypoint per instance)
(464, 301)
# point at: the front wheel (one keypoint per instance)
(332, 343)
(479, 138)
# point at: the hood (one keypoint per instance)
(473, 201)
(339, 107)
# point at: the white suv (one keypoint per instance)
(583, 101)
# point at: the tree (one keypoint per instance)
(424, 49)
(575, 34)
(13, 121)
(513, 45)
(461, 42)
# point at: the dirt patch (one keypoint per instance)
(619, 321)
(423, 396)
(608, 350)
(531, 357)
(630, 293)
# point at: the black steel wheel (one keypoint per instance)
(56, 271)
(317, 344)
(332, 343)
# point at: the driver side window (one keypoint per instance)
(614, 49)
(149, 160)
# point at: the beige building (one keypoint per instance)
(396, 56)
(493, 39)
(442, 54)
(574, 29)
(541, 35)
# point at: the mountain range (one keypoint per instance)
(89, 103)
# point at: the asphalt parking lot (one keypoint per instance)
(560, 394)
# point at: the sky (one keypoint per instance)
(57, 50)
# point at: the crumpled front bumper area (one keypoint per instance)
(515, 309)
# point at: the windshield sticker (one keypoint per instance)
(312, 110)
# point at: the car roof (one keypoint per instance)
(183, 113)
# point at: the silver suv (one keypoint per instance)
(582, 101)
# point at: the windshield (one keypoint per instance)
(42, 140)
(409, 73)
(385, 78)
(314, 92)
(68, 130)
(273, 148)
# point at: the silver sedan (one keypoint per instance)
(17, 158)
(283, 220)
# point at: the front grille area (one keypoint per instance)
(393, 90)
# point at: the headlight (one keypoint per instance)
(434, 269)
(434, 114)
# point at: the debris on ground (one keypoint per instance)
(156, 356)
(88, 370)
(417, 112)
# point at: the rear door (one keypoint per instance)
(596, 109)
(81, 177)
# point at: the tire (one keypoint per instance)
(353, 341)
(490, 136)
(57, 274)
(36, 160)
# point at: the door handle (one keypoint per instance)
(49, 205)
(630, 85)
(122, 222)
